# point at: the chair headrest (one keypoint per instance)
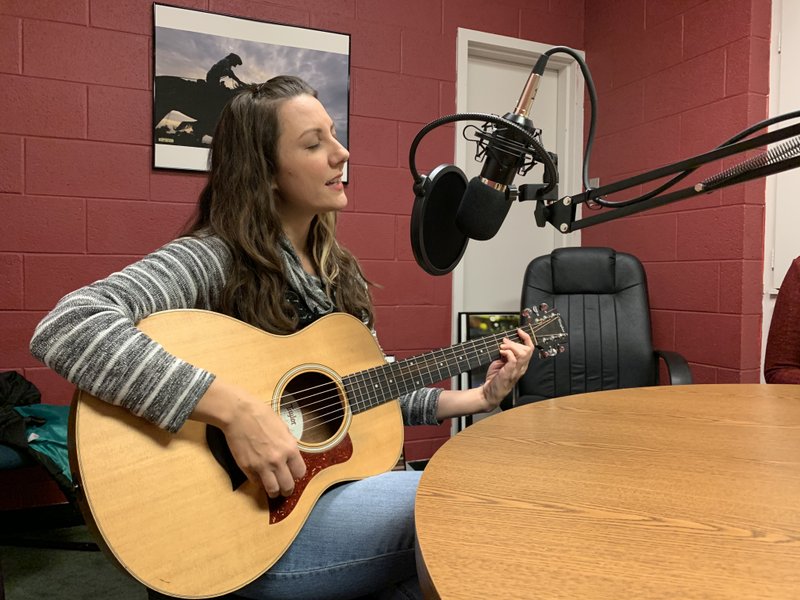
(584, 270)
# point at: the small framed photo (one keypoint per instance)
(200, 58)
(474, 326)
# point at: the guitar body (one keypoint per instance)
(164, 507)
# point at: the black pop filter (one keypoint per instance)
(437, 242)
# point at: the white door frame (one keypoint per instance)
(569, 148)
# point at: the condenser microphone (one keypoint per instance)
(448, 210)
(488, 198)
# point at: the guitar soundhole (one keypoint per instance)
(313, 408)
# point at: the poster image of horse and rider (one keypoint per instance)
(200, 58)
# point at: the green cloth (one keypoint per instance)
(50, 438)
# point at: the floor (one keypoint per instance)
(44, 574)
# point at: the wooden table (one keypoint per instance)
(664, 492)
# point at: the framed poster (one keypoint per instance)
(473, 326)
(200, 58)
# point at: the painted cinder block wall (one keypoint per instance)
(675, 79)
(78, 197)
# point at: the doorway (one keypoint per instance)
(491, 73)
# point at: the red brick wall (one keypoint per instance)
(676, 78)
(78, 197)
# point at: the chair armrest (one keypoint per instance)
(677, 367)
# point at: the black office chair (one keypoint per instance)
(602, 297)
(153, 595)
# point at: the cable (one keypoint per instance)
(551, 174)
(587, 77)
(665, 186)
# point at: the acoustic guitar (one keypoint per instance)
(175, 512)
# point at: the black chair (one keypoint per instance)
(153, 595)
(602, 297)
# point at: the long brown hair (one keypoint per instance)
(238, 204)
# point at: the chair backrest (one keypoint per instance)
(602, 297)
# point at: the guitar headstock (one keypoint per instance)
(547, 329)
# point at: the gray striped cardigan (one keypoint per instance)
(90, 337)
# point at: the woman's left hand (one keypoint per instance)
(504, 373)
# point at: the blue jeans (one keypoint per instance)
(358, 542)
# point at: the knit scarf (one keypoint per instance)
(308, 287)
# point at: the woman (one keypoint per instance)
(262, 249)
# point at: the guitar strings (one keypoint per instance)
(332, 400)
(426, 361)
(330, 386)
(425, 364)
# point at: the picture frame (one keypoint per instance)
(473, 326)
(198, 56)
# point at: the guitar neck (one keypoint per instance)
(375, 386)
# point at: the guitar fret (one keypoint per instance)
(376, 390)
(370, 384)
(440, 363)
(380, 384)
(484, 352)
(393, 368)
(402, 381)
(365, 393)
(412, 364)
(353, 395)
(384, 379)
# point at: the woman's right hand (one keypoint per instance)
(259, 440)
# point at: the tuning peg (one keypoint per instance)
(561, 348)
(543, 307)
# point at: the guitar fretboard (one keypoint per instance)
(375, 386)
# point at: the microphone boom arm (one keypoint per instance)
(561, 213)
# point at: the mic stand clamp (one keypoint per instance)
(545, 199)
